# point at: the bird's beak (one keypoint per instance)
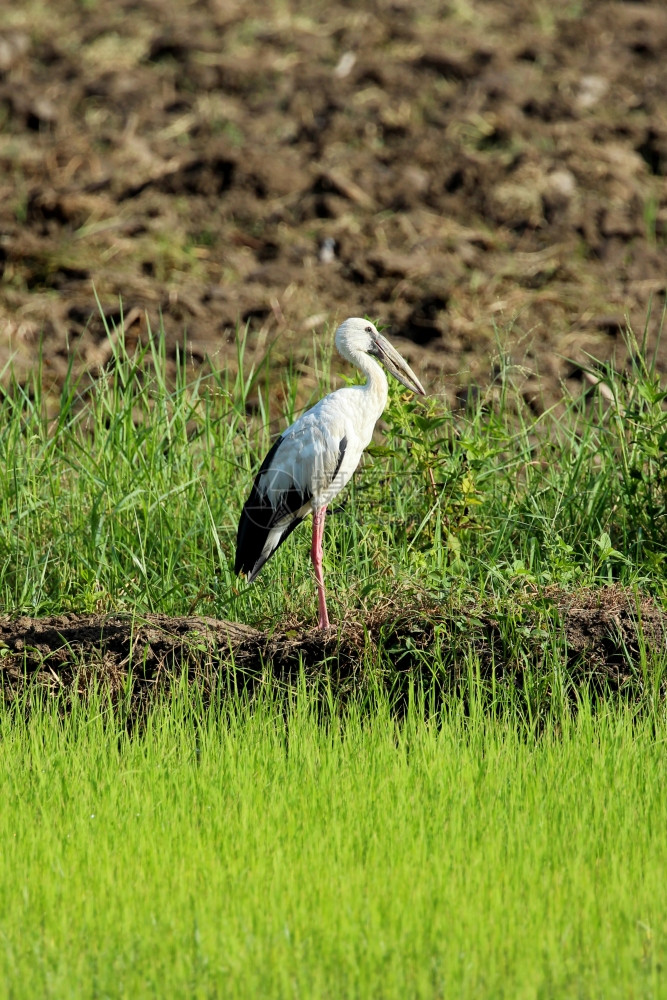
(396, 365)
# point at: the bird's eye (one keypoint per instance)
(369, 329)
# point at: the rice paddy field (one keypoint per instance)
(265, 852)
(472, 814)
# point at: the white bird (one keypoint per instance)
(314, 459)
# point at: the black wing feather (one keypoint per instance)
(259, 516)
(341, 452)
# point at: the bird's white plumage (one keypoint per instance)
(309, 454)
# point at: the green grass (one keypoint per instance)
(492, 840)
(270, 853)
(128, 499)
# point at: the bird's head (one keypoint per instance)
(359, 336)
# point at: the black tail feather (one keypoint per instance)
(261, 512)
(251, 540)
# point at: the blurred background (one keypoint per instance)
(480, 176)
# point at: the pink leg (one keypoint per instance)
(316, 556)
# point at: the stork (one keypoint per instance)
(314, 459)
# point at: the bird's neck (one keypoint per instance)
(376, 381)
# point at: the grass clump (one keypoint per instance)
(129, 498)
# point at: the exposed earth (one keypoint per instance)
(444, 167)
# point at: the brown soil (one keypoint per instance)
(611, 641)
(444, 167)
